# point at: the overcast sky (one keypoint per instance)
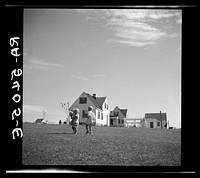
(131, 56)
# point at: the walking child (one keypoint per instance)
(74, 120)
(90, 120)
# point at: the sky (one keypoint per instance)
(130, 56)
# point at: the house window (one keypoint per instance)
(111, 121)
(83, 100)
(105, 105)
(122, 121)
(116, 113)
(158, 124)
(98, 115)
(101, 116)
(119, 121)
(151, 124)
(84, 114)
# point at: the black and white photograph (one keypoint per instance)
(101, 87)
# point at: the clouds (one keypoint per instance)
(136, 27)
(99, 75)
(33, 62)
(79, 76)
(37, 111)
(82, 77)
(31, 109)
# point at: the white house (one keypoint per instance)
(118, 117)
(100, 108)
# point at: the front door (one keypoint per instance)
(111, 122)
(151, 124)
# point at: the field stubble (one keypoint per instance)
(49, 144)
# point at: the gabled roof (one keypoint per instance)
(156, 116)
(123, 111)
(98, 102)
(39, 120)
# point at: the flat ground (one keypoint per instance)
(49, 144)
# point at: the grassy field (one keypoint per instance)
(48, 144)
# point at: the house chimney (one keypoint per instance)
(94, 96)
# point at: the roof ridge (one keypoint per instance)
(94, 101)
(123, 111)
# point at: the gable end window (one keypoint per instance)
(83, 100)
(116, 113)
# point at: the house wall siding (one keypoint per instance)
(114, 121)
(120, 117)
(106, 113)
(81, 107)
(155, 121)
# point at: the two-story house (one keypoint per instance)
(118, 117)
(100, 108)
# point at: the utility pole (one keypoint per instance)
(161, 119)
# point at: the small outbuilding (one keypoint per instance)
(155, 120)
(40, 121)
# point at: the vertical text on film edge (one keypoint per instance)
(15, 74)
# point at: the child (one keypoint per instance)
(90, 120)
(71, 113)
(74, 120)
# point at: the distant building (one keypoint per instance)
(155, 120)
(40, 121)
(100, 108)
(134, 122)
(118, 117)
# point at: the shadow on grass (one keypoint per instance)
(57, 133)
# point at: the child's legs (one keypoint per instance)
(75, 129)
(90, 128)
(87, 128)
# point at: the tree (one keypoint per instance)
(66, 109)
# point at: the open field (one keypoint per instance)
(48, 144)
